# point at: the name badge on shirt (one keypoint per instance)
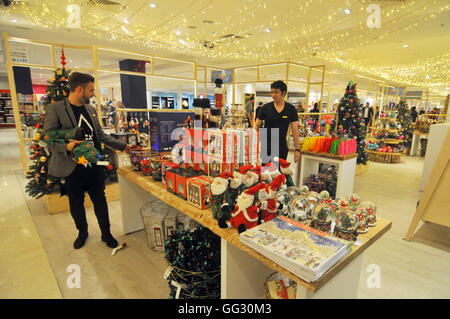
(284, 116)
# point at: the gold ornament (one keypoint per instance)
(43, 159)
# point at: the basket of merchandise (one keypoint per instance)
(278, 286)
(384, 157)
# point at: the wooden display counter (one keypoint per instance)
(243, 269)
(384, 157)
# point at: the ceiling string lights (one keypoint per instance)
(237, 30)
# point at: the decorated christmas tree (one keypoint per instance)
(58, 86)
(404, 119)
(39, 183)
(350, 120)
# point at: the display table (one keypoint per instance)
(416, 142)
(384, 157)
(243, 269)
(345, 167)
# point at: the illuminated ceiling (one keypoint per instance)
(412, 45)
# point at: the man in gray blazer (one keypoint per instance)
(75, 111)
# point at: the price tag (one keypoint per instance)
(167, 272)
(174, 283)
(103, 163)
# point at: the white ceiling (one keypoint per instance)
(314, 32)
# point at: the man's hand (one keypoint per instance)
(128, 148)
(296, 156)
(72, 144)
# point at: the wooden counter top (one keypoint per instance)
(332, 156)
(205, 218)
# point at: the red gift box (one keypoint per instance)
(166, 166)
(181, 177)
(199, 191)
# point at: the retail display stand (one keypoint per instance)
(417, 136)
(243, 270)
(345, 165)
(434, 206)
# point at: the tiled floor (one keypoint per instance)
(36, 247)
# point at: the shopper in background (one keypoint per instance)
(76, 178)
(367, 113)
(278, 115)
(377, 114)
(301, 108)
(414, 114)
(421, 111)
(258, 109)
(249, 110)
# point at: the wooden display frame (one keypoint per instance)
(435, 203)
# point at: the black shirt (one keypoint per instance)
(273, 119)
(84, 121)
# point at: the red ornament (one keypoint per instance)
(63, 58)
(109, 167)
(351, 100)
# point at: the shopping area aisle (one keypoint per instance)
(25, 270)
(416, 269)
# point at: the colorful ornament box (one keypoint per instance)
(177, 180)
(217, 167)
(127, 138)
(199, 191)
(165, 166)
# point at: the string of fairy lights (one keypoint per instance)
(290, 31)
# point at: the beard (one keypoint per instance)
(85, 100)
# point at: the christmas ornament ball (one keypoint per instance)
(43, 159)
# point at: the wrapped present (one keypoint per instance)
(199, 191)
(181, 177)
(166, 166)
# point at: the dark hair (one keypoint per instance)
(76, 79)
(279, 85)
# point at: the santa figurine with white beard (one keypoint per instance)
(269, 172)
(236, 188)
(245, 214)
(220, 196)
(287, 171)
(267, 201)
(250, 178)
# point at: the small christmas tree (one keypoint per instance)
(349, 111)
(58, 86)
(404, 119)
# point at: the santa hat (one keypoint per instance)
(285, 167)
(277, 182)
(250, 193)
(257, 169)
(244, 169)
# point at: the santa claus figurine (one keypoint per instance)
(287, 171)
(269, 172)
(267, 201)
(250, 178)
(245, 214)
(220, 196)
(236, 188)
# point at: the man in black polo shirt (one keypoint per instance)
(278, 115)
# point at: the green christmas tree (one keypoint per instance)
(404, 119)
(58, 86)
(39, 183)
(350, 120)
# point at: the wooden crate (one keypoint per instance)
(383, 157)
(56, 204)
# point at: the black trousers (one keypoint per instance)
(91, 180)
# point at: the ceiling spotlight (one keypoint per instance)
(126, 21)
(347, 11)
(405, 45)
(14, 20)
(152, 5)
(268, 30)
(427, 77)
(182, 41)
(178, 32)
